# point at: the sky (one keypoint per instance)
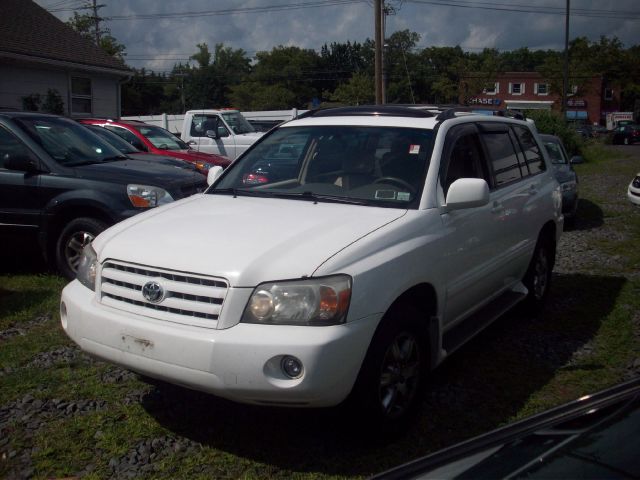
(158, 33)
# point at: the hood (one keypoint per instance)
(247, 138)
(193, 156)
(149, 172)
(246, 240)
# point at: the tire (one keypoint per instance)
(72, 239)
(389, 387)
(538, 276)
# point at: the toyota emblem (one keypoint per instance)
(153, 292)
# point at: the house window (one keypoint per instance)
(541, 89)
(608, 94)
(491, 89)
(81, 96)
(516, 88)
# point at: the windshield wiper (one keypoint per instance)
(242, 192)
(115, 158)
(318, 197)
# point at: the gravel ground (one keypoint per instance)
(29, 414)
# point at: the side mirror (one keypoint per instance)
(576, 159)
(214, 173)
(222, 132)
(211, 134)
(467, 193)
(20, 162)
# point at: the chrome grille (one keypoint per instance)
(188, 298)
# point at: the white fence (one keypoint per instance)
(173, 123)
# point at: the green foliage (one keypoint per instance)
(31, 102)
(85, 25)
(51, 102)
(359, 90)
(551, 122)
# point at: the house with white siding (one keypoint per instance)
(43, 61)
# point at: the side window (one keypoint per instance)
(11, 147)
(530, 149)
(465, 159)
(123, 132)
(201, 123)
(503, 157)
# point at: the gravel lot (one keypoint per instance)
(188, 416)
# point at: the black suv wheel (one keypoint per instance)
(74, 237)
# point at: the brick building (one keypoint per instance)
(530, 91)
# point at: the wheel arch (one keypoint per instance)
(423, 299)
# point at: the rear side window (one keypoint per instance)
(530, 149)
(503, 157)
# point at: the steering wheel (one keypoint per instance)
(396, 181)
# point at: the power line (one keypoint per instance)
(520, 8)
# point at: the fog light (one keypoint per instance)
(291, 366)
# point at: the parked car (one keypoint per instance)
(564, 172)
(626, 135)
(63, 184)
(633, 192)
(399, 235)
(585, 131)
(129, 150)
(223, 132)
(593, 437)
(154, 139)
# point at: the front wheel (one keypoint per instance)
(77, 234)
(389, 386)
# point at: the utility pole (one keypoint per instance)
(378, 5)
(565, 76)
(96, 20)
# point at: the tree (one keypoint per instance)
(359, 90)
(85, 25)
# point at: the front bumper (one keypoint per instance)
(241, 363)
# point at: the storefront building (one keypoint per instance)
(530, 91)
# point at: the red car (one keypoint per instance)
(154, 139)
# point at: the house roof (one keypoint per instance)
(28, 31)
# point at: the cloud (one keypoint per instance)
(159, 44)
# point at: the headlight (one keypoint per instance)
(317, 301)
(146, 196)
(568, 186)
(86, 273)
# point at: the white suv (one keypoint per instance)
(346, 254)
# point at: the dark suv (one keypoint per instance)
(64, 184)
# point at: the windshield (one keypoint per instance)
(113, 139)
(555, 152)
(67, 142)
(237, 123)
(161, 138)
(381, 166)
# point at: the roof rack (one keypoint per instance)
(367, 110)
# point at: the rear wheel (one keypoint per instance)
(538, 276)
(73, 238)
(388, 389)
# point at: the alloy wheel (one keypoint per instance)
(400, 375)
(74, 246)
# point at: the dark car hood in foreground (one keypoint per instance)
(138, 171)
(595, 437)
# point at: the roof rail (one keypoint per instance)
(451, 113)
(367, 110)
